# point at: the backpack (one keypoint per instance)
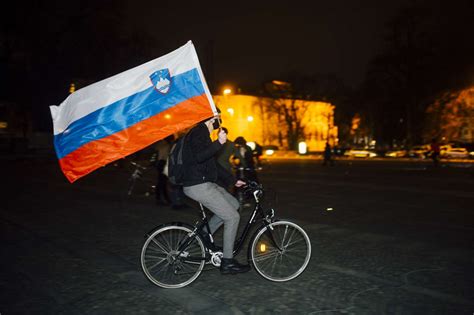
(175, 162)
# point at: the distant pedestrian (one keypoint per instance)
(328, 155)
(435, 152)
(161, 190)
(225, 153)
(257, 154)
(223, 158)
(243, 158)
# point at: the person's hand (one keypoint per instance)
(222, 137)
(240, 183)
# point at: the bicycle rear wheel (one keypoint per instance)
(280, 251)
(164, 264)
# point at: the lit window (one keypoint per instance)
(302, 148)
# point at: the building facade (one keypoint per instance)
(268, 121)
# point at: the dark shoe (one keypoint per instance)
(232, 267)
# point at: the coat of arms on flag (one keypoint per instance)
(120, 115)
(161, 80)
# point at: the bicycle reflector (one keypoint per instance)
(263, 247)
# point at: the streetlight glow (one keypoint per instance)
(250, 118)
(227, 91)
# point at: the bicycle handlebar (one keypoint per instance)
(252, 185)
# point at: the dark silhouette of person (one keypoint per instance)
(435, 152)
(244, 155)
(162, 150)
(225, 153)
(328, 155)
(257, 153)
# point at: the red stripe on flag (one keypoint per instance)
(96, 154)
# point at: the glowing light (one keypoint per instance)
(263, 248)
(302, 148)
(278, 82)
(250, 118)
(230, 111)
(269, 152)
(227, 91)
(167, 116)
(72, 88)
(251, 145)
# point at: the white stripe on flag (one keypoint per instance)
(122, 85)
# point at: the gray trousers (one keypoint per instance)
(223, 205)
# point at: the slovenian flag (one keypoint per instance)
(118, 116)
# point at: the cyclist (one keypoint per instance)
(201, 172)
(244, 155)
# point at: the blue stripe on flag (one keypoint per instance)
(126, 112)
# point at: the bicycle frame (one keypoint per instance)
(266, 220)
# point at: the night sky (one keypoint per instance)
(255, 41)
(46, 45)
(258, 40)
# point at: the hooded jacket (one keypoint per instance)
(200, 165)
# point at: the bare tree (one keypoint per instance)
(289, 111)
(425, 52)
(450, 115)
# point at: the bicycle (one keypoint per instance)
(142, 181)
(174, 254)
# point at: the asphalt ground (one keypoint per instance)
(388, 237)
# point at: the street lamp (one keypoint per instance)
(227, 91)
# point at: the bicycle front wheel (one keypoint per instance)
(169, 264)
(280, 251)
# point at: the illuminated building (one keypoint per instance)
(253, 118)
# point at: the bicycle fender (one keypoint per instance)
(191, 227)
